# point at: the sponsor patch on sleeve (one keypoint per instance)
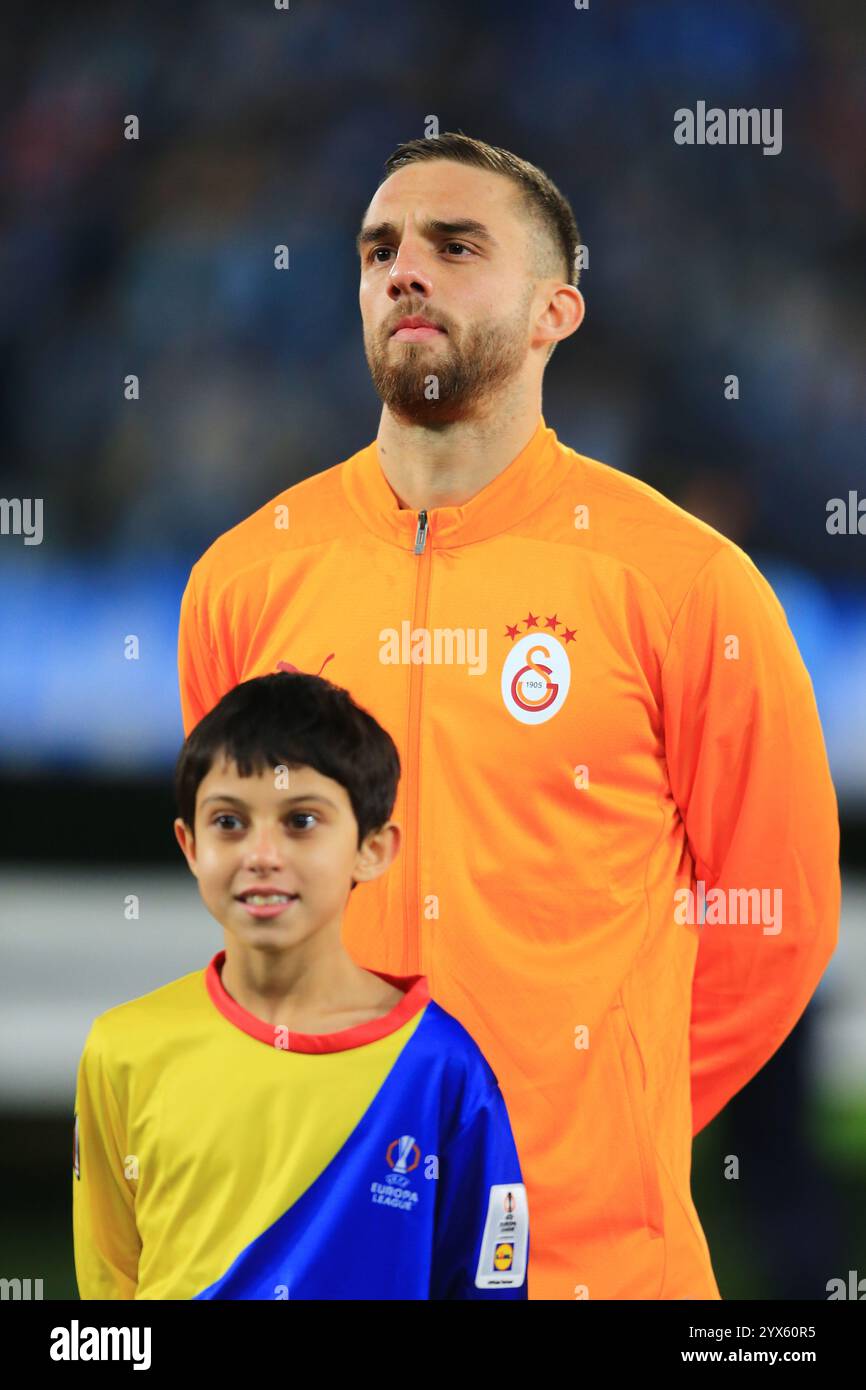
(502, 1259)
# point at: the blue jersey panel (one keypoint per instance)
(399, 1212)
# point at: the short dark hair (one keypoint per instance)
(293, 719)
(555, 237)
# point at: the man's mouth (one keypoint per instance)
(416, 335)
(415, 329)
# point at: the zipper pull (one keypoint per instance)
(421, 533)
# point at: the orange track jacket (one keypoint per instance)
(620, 859)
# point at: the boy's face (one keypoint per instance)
(299, 841)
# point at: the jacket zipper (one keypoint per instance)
(411, 865)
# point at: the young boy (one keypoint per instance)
(284, 1123)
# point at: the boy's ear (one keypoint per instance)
(378, 852)
(186, 840)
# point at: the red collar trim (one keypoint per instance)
(416, 995)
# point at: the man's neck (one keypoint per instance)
(448, 466)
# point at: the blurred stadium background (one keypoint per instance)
(261, 126)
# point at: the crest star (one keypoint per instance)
(531, 620)
(568, 634)
(553, 622)
(511, 631)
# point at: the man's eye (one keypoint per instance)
(448, 246)
(223, 816)
(302, 815)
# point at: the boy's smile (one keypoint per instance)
(266, 900)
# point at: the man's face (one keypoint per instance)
(300, 840)
(477, 289)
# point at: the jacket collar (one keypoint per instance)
(521, 487)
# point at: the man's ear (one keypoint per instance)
(186, 840)
(566, 310)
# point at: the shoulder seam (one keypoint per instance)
(726, 548)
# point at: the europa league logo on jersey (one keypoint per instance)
(408, 1155)
(536, 672)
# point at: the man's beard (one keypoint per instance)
(455, 381)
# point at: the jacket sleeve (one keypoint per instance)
(200, 675)
(105, 1236)
(481, 1244)
(748, 770)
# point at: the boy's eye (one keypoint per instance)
(223, 816)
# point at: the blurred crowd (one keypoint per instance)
(261, 126)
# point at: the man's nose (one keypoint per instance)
(409, 273)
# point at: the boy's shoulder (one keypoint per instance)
(442, 1039)
(442, 1026)
(128, 1029)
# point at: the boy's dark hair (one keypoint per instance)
(554, 235)
(293, 719)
